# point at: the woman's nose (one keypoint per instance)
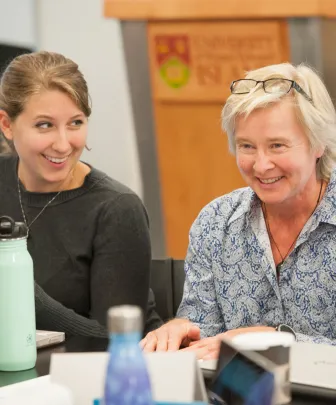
(61, 143)
(262, 163)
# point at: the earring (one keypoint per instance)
(87, 148)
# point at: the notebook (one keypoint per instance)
(48, 338)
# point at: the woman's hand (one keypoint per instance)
(208, 348)
(171, 336)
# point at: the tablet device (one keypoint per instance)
(242, 378)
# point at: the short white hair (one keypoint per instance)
(317, 117)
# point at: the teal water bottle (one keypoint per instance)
(17, 302)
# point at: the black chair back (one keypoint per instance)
(162, 285)
(178, 283)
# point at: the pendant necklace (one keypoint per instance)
(283, 258)
(38, 215)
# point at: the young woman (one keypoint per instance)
(87, 234)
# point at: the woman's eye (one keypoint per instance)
(43, 125)
(76, 123)
(277, 145)
(245, 146)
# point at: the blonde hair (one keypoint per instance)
(318, 117)
(32, 73)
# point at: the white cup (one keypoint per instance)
(275, 346)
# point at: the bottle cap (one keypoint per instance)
(125, 319)
(9, 229)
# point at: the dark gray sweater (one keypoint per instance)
(90, 248)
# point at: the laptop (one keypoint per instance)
(46, 338)
(313, 369)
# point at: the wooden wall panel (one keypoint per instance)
(194, 163)
(217, 9)
(195, 166)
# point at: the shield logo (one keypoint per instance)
(173, 58)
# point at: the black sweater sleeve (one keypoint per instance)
(120, 269)
(52, 315)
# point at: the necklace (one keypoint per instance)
(283, 258)
(37, 216)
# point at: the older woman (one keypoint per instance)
(263, 257)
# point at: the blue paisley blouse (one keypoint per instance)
(231, 277)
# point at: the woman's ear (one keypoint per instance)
(319, 153)
(5, 125)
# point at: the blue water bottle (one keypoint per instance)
(127, 380)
